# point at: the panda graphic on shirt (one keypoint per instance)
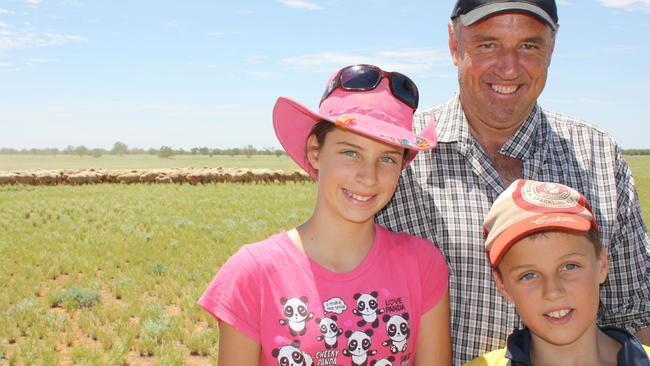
(291, 355)
(398, 330)
(296, 314)
(330, 331)
(358, 347)
(383, 361)
(367, 307)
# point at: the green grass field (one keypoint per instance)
(640, 166)
(109, 274)
(48, 162)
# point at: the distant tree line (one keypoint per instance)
(120, 148)
(636, 151)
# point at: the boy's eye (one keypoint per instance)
(527, 276)
(571, 266)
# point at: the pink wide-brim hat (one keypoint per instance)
(373, 113)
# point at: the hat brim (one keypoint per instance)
(538, 223)
(293, 122)
(483, 11)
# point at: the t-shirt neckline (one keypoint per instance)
(326, 273)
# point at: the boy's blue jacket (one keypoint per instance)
(517, 353)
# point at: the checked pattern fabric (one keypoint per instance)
(445, 194)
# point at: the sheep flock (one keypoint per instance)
(190, 175)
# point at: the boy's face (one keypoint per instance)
(553, 280)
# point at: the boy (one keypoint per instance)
(543, 244)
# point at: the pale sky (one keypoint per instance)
(206, 73)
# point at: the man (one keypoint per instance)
(492, 133)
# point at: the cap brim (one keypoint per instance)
(483, 11)
(543, 222)
(293, 121)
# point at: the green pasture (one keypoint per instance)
(640, 165)
(49, 162)
(109, 274)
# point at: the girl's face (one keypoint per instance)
(357, 175)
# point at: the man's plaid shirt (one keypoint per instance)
(445, 194)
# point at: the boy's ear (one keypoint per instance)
(312, 151)
(603, 264)
(500, 286)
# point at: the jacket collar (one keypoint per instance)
(630, 354)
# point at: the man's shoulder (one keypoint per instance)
(563, 123)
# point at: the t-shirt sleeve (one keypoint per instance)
(234, 293)
(434, 274)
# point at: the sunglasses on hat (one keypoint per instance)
(367, 77)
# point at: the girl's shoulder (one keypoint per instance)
(264, 251)
(402, 241)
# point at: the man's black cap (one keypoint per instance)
(471, 11)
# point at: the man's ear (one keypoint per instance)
(603, 264)
(453, 42)
(500, 286)
(313, 148)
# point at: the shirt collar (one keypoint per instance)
(631, 352)
(452, 126)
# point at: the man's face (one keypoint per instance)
(502, 66)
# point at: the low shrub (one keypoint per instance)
(77, 298)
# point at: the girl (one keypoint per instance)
(339, 289)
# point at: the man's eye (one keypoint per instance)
(529, 46)
(487, 46)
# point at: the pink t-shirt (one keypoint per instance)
(304, 314)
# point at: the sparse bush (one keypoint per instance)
(156, 328)
(77, 297)
(158, 269)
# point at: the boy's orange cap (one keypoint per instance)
(529, 206)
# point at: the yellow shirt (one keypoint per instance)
(498, 358)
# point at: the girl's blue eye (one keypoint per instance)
(387, 159)
(350, 153)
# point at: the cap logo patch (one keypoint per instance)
(545, 220)
(546, 197)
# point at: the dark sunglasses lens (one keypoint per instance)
(360, 78)
(405, 89)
